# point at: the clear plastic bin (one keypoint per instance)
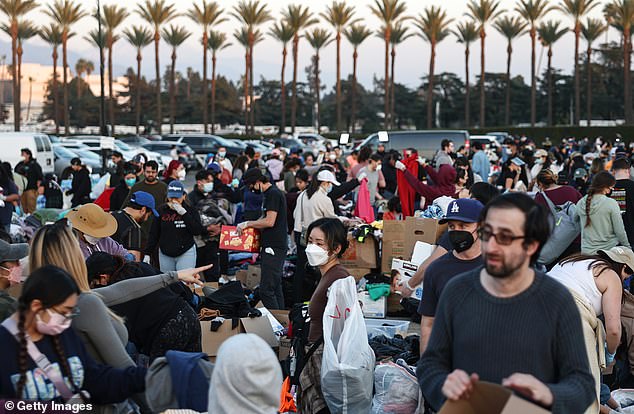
(386, 327)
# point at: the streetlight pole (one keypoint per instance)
(102, 104)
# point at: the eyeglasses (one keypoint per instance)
(69, 316)
(503, 239)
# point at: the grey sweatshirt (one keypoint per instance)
(247, 377)
(606, 229)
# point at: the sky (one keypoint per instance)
(412, 58)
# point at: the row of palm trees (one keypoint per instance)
(297, 21)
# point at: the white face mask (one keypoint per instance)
(332, 157)
(182, 174)
(316, 255)
(378, 167)
(92, 240)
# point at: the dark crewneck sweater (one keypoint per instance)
(537, 332)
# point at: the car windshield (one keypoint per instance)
(88, 154)
(64, 152)
(223, 141)
(123, 146)
(171, 138)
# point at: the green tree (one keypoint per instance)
(532, 11)
(434, 28)
(206, 15)
(388, 12)
(80, 69)
(113, 17)
(549, 34)
(157, 13)
(216, 42)
(591, 32)
(466, 33)
(338, 15)
(139, 37)
(356, 34)
(174, 36)
(252, 14)
(52, 35)
(15, 10)
(318, 39)
(510, 28)
(65, 13)
(298, 18)
(283, 33)
(577, 9)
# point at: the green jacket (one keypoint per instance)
(606, 229)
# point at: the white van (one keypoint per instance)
(40, 145)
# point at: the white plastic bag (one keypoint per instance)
(347, 368)
(101, 185)
(396, 390)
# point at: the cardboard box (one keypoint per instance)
(241, 275)
(284, 349)
(358, 272)
(406, 271)
(199, 290)
(361, 255)
(281, 316)
(254, 275)
(211, 341)
(392, 243)
(372, 308)
(248, 241)
(488, 398)
(421, 229)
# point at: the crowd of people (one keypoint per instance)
(103, 285)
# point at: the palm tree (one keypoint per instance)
(216, 42)
(252, 14)
(510, 28)
(466, 33)
(65, 13)
(283, 34)
(434, 28)
(532, 11)
(15, 10)
(80, 68)
(206, 15)
(577, 9)
(318, 39)
(549, 34)
(482, 12)
(26, 30)
(621, 14)
(389, 12)
(139, 37)
(113, 17)
(338, 15)
(591, 32)
(242, 36)
(89, 68)
(52, 35)
(174, 36)
(298, 18)
(399, 35)
(356, 34)
(157, 13)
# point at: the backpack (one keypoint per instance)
(566, 228)
(299, 326)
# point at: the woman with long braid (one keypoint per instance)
(601, 223)
(45, 311)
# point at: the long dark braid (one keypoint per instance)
(63, 362)
(23, 355)
(591, 191)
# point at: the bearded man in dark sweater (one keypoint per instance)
(508, 323)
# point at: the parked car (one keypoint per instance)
(204, 144)
(316, 141)
(499, 136)
(128, 152)
(427, 143)
(188, 156)
(63, 156)
(39, 144)
(490, 145)
(134, 140)
(294, 143)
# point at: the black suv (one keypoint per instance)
(205, 143)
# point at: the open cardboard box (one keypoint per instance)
(488, 398)
(198, 289)
(211, 341)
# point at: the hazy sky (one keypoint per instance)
(412, 59)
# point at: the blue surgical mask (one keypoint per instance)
(222, 154)
(130, 181)
(329, 188)
(208, 187)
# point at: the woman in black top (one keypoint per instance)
(174, 231)
(157, 322)
(81, 186)
(122, 189)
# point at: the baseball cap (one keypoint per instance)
(252, 176)
(327, 176)
(90, 219)
(541, 153)
(580, 173)
(466, 210)
(175, 189)
(518, 161)
(213, 167)
(11, 252)
(75, 161)
(620, 254)
(144, 199)
(140, 158)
